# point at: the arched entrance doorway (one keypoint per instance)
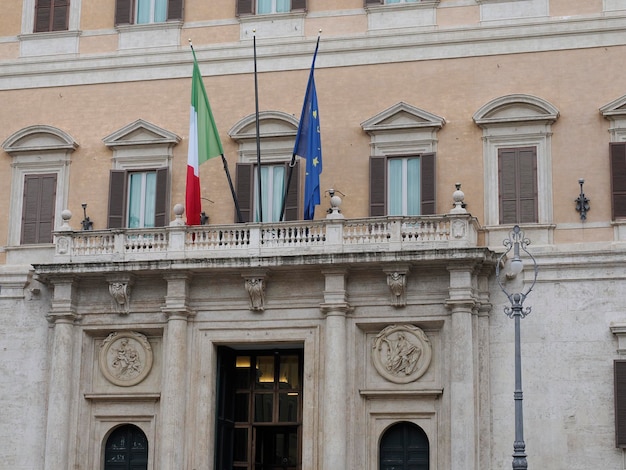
(404, 446)
(126, 449)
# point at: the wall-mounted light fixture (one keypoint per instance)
(87, 224)
(582, 202)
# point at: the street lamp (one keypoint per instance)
(516, 311)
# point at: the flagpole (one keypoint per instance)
(292, 163)
(225, 163)
(258, 137)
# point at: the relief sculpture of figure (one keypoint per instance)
(256, 291)
(403, 355)
(126, 360)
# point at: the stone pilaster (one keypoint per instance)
(62, 316)
(463, 377)
(335, 307)
(174, 390)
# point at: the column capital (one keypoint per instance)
(336, 309)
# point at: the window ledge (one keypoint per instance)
(402, 15)
(49, 43)
(142, 36)
(272, 25)
(619, 227)
(373, 8)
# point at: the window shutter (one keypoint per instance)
(245, 7)
(160, 203)
(38, 208)
(43, 10)
(428, 184)
(291, 203)
(378, 186)
(124, 12)
(374, 2)
(174, 10)
(507, 197)
(527, 164)
(619, 368)
(60, 14)
(517, 180)
(117, 196)
(244, 173)
(298, 5)
(617, 152)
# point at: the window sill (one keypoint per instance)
(49, 43)
(142, 36)
(30, 254)
(540, 234)
(402, 15)
(273, 25)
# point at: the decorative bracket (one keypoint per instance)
(255, 286)
(120, 289)
(396, 280)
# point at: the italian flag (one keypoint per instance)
(204, 143)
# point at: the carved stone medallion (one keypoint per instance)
(401, 353)
(125, 358)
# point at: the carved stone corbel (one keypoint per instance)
(255, 286)
(120, 288)
(396, 280)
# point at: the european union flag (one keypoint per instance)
(309, 145)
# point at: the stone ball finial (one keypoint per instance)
(179, 209)
(66, 215)
(458, 197)
(335, 201)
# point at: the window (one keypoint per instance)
(402, 185)
(137, 198)
(618, 179)
(147, 11)
(404, 446)
(262, 7)
(51, 15)
(517, 184)
(259, 409)
(126, 449)
(38, 208)
(517, 122)
(273, 183)
(39, 183)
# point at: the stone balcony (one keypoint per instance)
(387, 237)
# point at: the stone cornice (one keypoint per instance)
(388, 46)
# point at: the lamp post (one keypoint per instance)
(516, 311)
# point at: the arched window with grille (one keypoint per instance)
(126, 449)
(404, 446)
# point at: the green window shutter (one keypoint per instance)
(619, 369)
(245, 7)
(378, 186)
(117, 198)
(244, 188)
(298, 5)
(38, 208)
(160, 209)
(291, 204)
(174, 10)
(124, 12)
(617, 152)
(428, 184)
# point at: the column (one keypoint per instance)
(60, 380)
(174, 386)
(463, 386)
(335, 307)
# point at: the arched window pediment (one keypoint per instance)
(272, 124)
(518, 108)
(39, 138)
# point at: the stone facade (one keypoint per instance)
(393, 319)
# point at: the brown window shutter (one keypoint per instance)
(174, 10)
(617, 152)
(43, 11)
(60, 15)
(124, 12)
(378, 186)
(428, 184)
(298, 5)
(117, 198)
(244, 187)
(517, 182)
(160, 203)
(291, 204)
(38, 208)
(245, 7)
(619, 368)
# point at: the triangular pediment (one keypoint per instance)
(516, 109)
(38, 138)
(402, 116)
(140, 132)
(614, 108)
(272, 124)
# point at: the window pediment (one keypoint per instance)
(516, 109)
(140, 132)
(272, 124)
(402, 116)
(614, 108)
(38, 138)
